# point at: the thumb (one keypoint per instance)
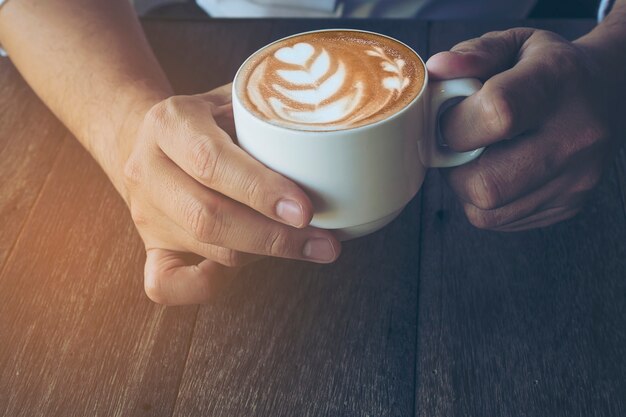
(177, 278)
(518, 87)
(481, 58)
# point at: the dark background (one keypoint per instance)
(543, 9)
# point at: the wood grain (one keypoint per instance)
(78, 335)
(621, 174)
(299, 339)
(528, 323)
(312, 340)
(30, 139)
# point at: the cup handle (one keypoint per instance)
(444, 94)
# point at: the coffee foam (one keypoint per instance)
(330, 80)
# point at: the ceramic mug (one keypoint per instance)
(358, 179)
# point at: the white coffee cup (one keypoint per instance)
(359, 179)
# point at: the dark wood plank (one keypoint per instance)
(621, 174)
(292, 338)
(79, 337)
(30, 139)
(530, 323)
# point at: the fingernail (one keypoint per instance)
(319, 249)
(290, 212)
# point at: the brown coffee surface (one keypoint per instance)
(330, 80)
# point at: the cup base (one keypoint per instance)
(352, 232)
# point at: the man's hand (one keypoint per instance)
(191, 190)
(547, 116)
(200, 203)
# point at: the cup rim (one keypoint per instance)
(350, 129)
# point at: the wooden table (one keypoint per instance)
(429, 317)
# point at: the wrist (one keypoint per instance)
(112, 138)
(606, 43)
(605, 46)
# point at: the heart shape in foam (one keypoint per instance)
(298, 54)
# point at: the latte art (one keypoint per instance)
(330, 80)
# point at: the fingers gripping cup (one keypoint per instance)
(349, 116)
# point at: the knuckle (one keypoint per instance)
(165, 114)
(138, 216)
(133, 173)
(484, 190)
(159, 113)
(498, 112)
(253, 190)
(522, 33)
(465, 46)
(205, 158)
(202, 220)
(173, 105)
(277, 243)
(543, 34)
(481, 219)
(594, 133)
(588, 182)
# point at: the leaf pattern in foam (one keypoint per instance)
(397, 83)
(318, 68)
(309, 84)
(328, 113)
(318, 94)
